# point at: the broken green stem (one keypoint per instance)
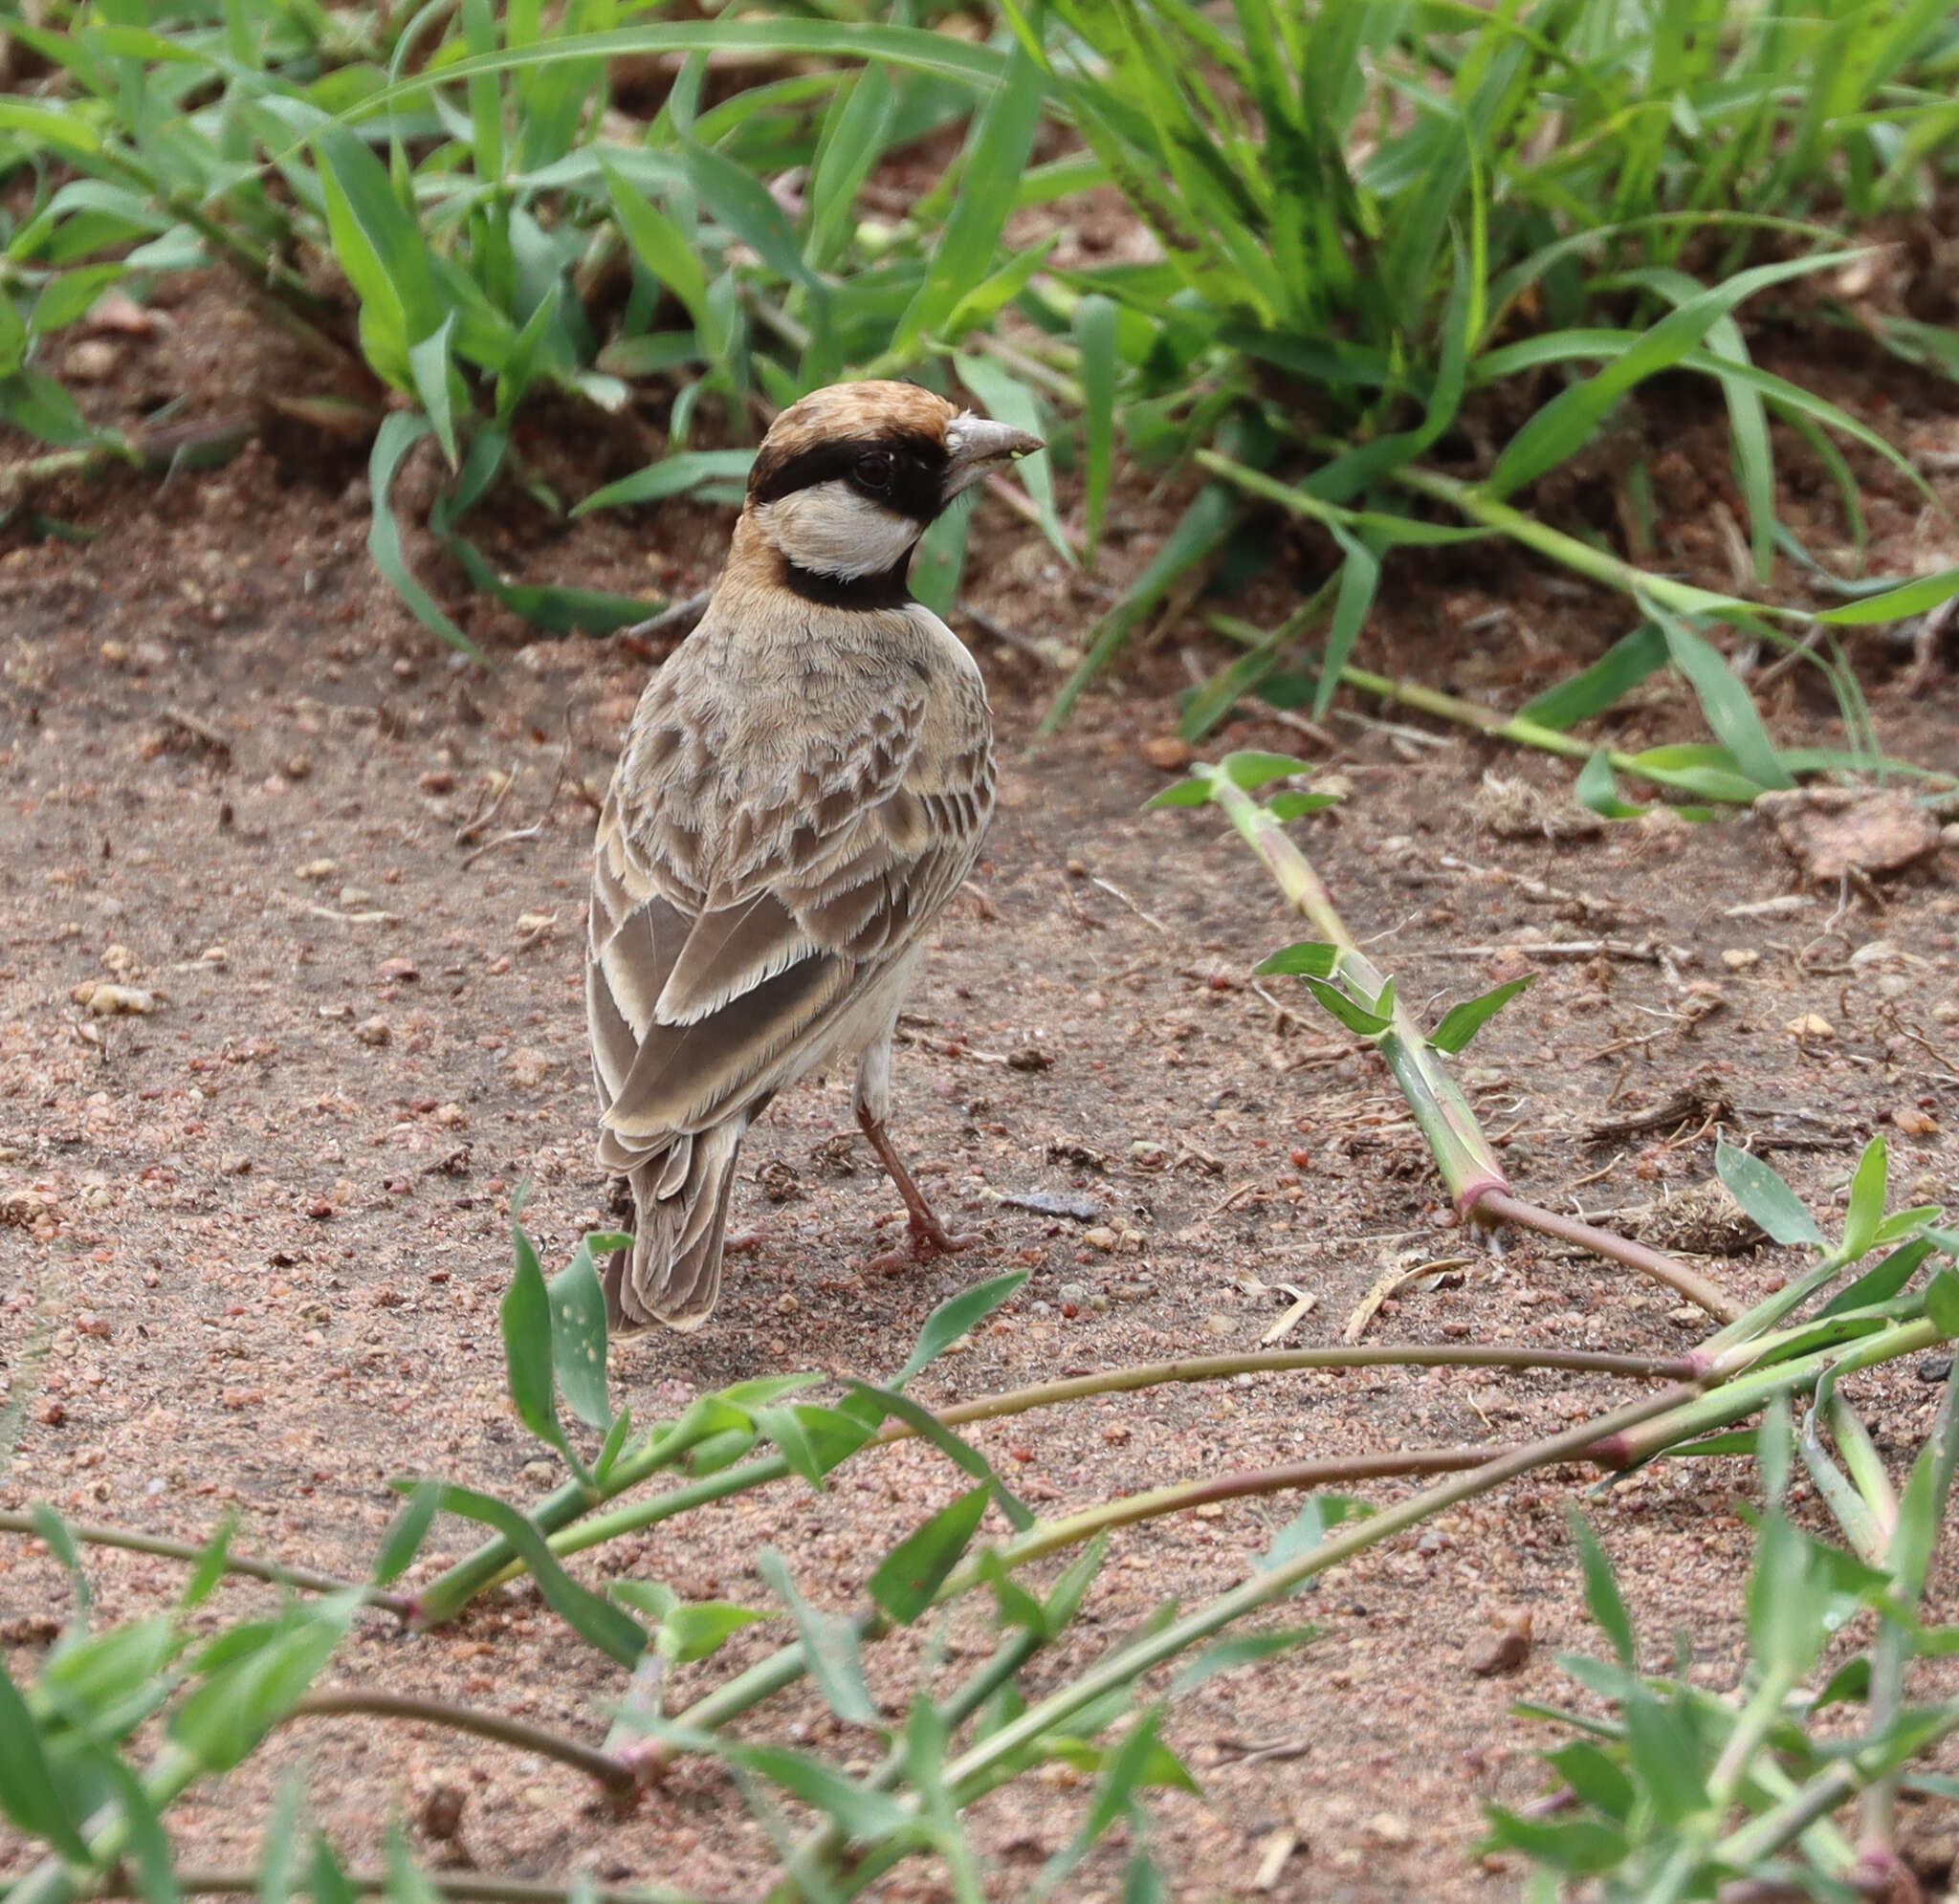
(1462, 1152)
(496, 1561)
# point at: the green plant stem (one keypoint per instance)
(614, 1774)
(1734, 1398)
(1892, 1654)
(52, 1882)
(1867, 1466)
(1127, 1663)
(1766, 1834)
(446, 1596)
(1656, 1263)
(782, 1668)
(823, 1844)
(302, 1578)
(1462, 1152)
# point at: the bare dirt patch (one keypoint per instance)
(264, 1229)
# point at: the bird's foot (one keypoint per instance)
(926, 1238)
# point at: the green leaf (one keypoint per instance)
(1942, 1304)
(1631, 659)
(909, 1576)
(327, 1882)
(1602, 1597)
(1596, 1778)
(1865, 1215)
(671, 475)
(1360, 576)
(150, 1845)
(1663, 1757)
(1186, 793)
(433, 375)
(1309, 1527)
(527, 1349)
(1763, 1197)
(1729, 707)
(1580, 1846)
(1570, 421)
(26, 1787)
(1065, 1598)
(740, 202)
(380, 249)
(1461, 1022)
(71, 295)
(1915, 597)
(829, 1644)
(1252, 770)
(242, 1698)
(399, 433)
(407, 1883)
(853, 139)
(1597, 788)
(1882, 1283)
(1310, 959)
(615, 1633)
(1296, 806)
(996, 152)
(960, 1315)
(1096, 329)
(211, 1568)
(34, 404)
(939, 561)
(1229, 1655)
(405, 1533)
(1007, 399)
(858, 1812)
(1361, 1019)
(694, 1631)
(872, 1405)
(783, 1427)
(578, 1338)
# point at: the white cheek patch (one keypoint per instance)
(830, 529)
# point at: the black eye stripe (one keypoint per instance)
(917, 487)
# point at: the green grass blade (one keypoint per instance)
(996, 153)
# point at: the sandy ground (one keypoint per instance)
(264, 1231)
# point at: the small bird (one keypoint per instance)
(803, 787)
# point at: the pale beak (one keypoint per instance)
(976, 445)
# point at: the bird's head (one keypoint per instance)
(847, 479)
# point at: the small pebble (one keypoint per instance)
(1099, 1237)
(373, 1031)
(1738, 959)
(297, 767)
(1810, 1024)
(1169, 753)
(316, 869)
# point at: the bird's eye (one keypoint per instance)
(876, 469)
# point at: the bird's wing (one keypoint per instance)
(720, 954)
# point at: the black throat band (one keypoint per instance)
(885, 590)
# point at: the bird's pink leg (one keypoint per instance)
(929, 1237)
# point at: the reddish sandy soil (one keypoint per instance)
(264, 1231)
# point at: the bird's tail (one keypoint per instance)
(673, 1272)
